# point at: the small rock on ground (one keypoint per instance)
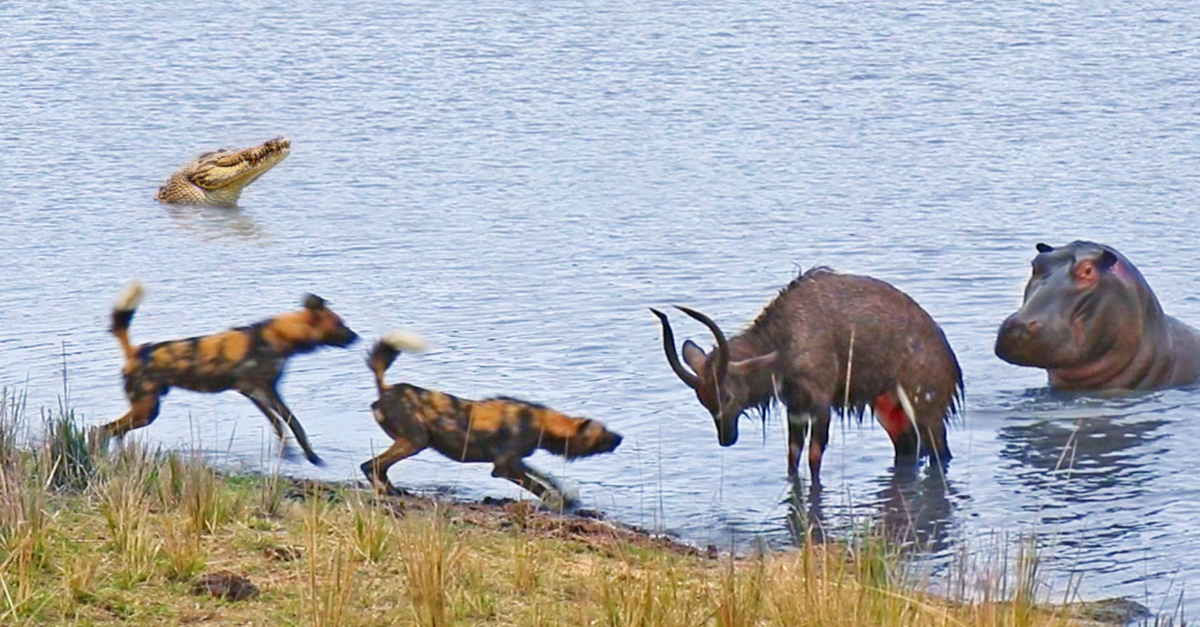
(225, 585)
(282, 553)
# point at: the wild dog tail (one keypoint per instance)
(388, 348)
(122, 314)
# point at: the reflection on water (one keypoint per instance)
(216, 223)
(912, 506)
(1095, 457)
(918, 508)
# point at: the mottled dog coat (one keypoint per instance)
(248, 359)
(499, 430)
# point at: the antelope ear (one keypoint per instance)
(694, 356)
(1044, 248)
(754, 364)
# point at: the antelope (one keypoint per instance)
(829, 342)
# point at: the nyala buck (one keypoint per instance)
(248, 359)
(501, 430)
(830, 342)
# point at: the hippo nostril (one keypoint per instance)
(1012, 328)
(1015, 329)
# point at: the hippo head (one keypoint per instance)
(1085, 305)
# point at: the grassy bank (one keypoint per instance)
(128, 537)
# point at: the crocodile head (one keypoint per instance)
(218, 177)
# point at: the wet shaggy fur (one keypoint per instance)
(501, 430)
(800, 348)
(248, 359)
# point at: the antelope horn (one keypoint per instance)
(672, 356)
(722, 356)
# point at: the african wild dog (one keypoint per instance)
(499, 430)
(248, 359)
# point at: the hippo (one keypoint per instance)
(1092, 321)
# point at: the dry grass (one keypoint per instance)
(125, 548)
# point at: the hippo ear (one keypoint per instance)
(1044, 248)
(1106, 261)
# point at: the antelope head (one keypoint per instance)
(723, 386)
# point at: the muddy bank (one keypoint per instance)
(588, 526)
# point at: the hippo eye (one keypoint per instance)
(1085, 271)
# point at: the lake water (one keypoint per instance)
(519, 182)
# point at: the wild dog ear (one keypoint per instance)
(1044, 248)
(753, 364)
(312, 302)
(694, 356)
(1106, 261)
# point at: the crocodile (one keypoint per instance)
(218, 177)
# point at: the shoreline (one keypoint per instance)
(601, 533)
(497, 513)
(140, 535)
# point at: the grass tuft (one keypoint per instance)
(372, 529)
(125, 502)
(330, 582)
(181, 548)
(67, 458)
(432, 555)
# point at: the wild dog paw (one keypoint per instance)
(555, 501)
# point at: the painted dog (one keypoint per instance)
(500, 430)
(248, 359)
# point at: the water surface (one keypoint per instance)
(520, 183)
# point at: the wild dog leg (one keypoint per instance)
(376, 468)
(541, 485)
(143, 410)
(276, 403)
(276, 422)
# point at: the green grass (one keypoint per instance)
(90, 538)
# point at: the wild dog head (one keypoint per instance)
(579, 437)
(314, 326)
(592, 438)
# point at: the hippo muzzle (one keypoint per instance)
(1020, 341)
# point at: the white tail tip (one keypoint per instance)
(130, 297)
(405, 341)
